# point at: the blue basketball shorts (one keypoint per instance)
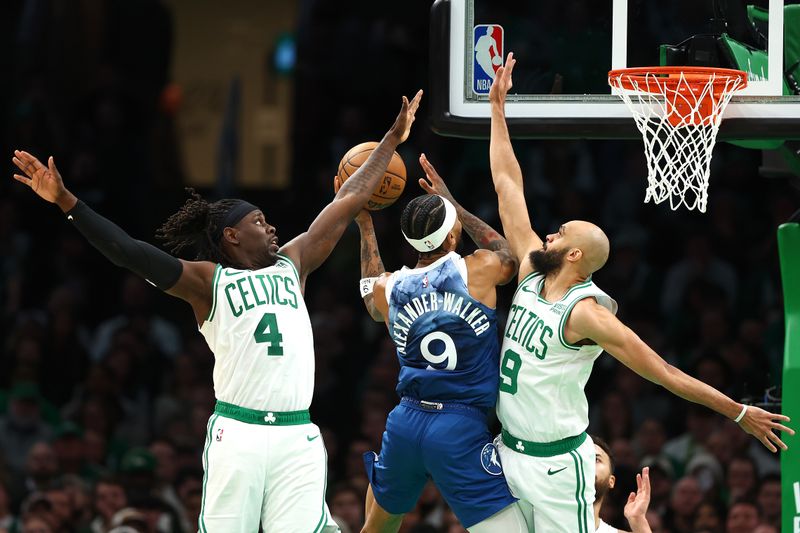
(453, 447)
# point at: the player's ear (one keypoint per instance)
(574, 255)
(231, 235)
(612, 480)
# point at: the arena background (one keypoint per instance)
(105, 383)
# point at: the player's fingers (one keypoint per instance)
(767, 444)
(631, 497)
(31, 160)
(27, 168)
(780, 417)
(774, 438)
(18, 163)
(646, 480)
(23, 179)
(638, 482)
(781, 427)
(51, 165)
(415, 100)
(510, 67)
(427, 165)
(424, 163)
(425, 186)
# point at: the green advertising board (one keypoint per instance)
(789, 249)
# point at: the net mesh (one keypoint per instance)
(678, 115)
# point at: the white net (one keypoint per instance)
(679, 119)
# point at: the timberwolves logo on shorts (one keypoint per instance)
(487, 55)
(490, 460)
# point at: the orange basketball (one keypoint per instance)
(391, 185)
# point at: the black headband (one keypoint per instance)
(239, 209)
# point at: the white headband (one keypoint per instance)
(434, 240)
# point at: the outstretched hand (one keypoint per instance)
(433, 183)
(45, 181)
(502, 80)
(761, 424)
(402, 125)
(639, 501)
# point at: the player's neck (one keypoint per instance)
(558, 283)
(426, 260)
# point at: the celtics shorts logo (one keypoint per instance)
(490, 460)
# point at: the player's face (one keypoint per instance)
(258, 239)
(603, 479)
(457, 233)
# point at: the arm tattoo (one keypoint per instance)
(484, 236)
(371, 264)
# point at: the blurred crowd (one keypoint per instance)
(105, 387)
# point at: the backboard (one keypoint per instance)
(565, 48)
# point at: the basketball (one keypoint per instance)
(497, 60)
(391, 185)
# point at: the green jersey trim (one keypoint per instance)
(525, 280)
(214, 283)
(580, 487)
(563, 323)
(321, 522)
(211, 423)
(262, 418)
(542, 449)
(291, 263)
(572, 289)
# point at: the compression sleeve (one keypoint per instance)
(154, 265)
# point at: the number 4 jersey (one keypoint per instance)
(446, 340)
(542, 376)
(260, 333)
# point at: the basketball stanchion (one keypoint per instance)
(678, 111)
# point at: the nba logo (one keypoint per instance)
(487, 55)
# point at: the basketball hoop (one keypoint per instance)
(678, 110)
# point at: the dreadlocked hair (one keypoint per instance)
(193, 227)
(422, 216)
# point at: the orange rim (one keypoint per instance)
(652, 79)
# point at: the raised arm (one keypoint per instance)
(479, 231)
(308, 250)
(371, 264)
(507, 175)
(188, 280)
(590, 320)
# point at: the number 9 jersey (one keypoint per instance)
(260, 333)
(446, 341)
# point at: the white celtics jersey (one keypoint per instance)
(260, 333)
(542, 376)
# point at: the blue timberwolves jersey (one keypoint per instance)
(446, 340)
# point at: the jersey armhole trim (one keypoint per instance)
(461, 266)
(562, 324)
(214, 283)
(291, 263)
